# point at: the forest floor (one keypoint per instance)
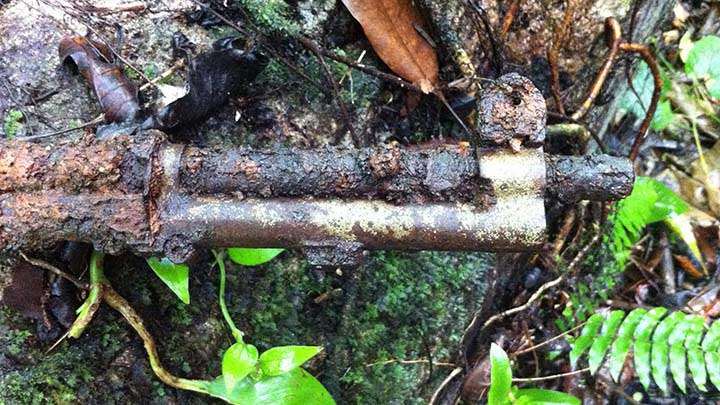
(394, 330)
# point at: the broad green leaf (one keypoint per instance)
(500, 376)
(677, 365)
(664, 116)
(622, 343)
(297, 387)
(711, 342)
(660, 349)
(281, 359)
(712, 360)
(585, 340)
(713, 87)
(238, 361)
(251, 256)
(703, 63)
(696, 364)
(602, 342)
(703, 59)
(538, 396)
(175, 276)
(636, 100)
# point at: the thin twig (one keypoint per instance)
(612, 28)
(533, 298)
(648, 57)
(336, 95)
(552, 339)
(49, 267)
(443, 384)
(550, 377)
(592, 133)
(310, 45)
(418, 361)
(497, 50)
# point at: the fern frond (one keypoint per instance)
(677, 342)
(650, 201)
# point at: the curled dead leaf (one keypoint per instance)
(391, 26)
(94, 61)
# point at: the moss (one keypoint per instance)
(398, 307)
(52, 378)
(273, 15)
(11, 124)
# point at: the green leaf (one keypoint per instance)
(238, 361)
(711, 342)
(703, 63)
(281, 359)
(297, 387)
(641, 350)
(660, 349)
(252, 257)
(538, 396)
(583, 342)
(500, 376)
(677, 365)
(650, 201)
(695, 360)
(602, 342)
(696, 364)
(681, 225)
(664, 116)
(713, 367)
(621, 345)
(175, 276)
(703, 59)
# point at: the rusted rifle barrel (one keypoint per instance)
(389, 172)
(148, 196)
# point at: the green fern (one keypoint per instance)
(650, 201)
(658, 340)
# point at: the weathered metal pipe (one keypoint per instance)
(145, 195)
(141, 195)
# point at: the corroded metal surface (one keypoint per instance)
(145, 195)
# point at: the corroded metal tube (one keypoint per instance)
(147, 196)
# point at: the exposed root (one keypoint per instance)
(649, 58)
(102, 291)
(612, 30)
(553, 54)
(509, 18)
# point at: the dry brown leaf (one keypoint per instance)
(709, 175)
(391, 28)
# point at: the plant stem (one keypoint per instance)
(237, 333)
(117, 302)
